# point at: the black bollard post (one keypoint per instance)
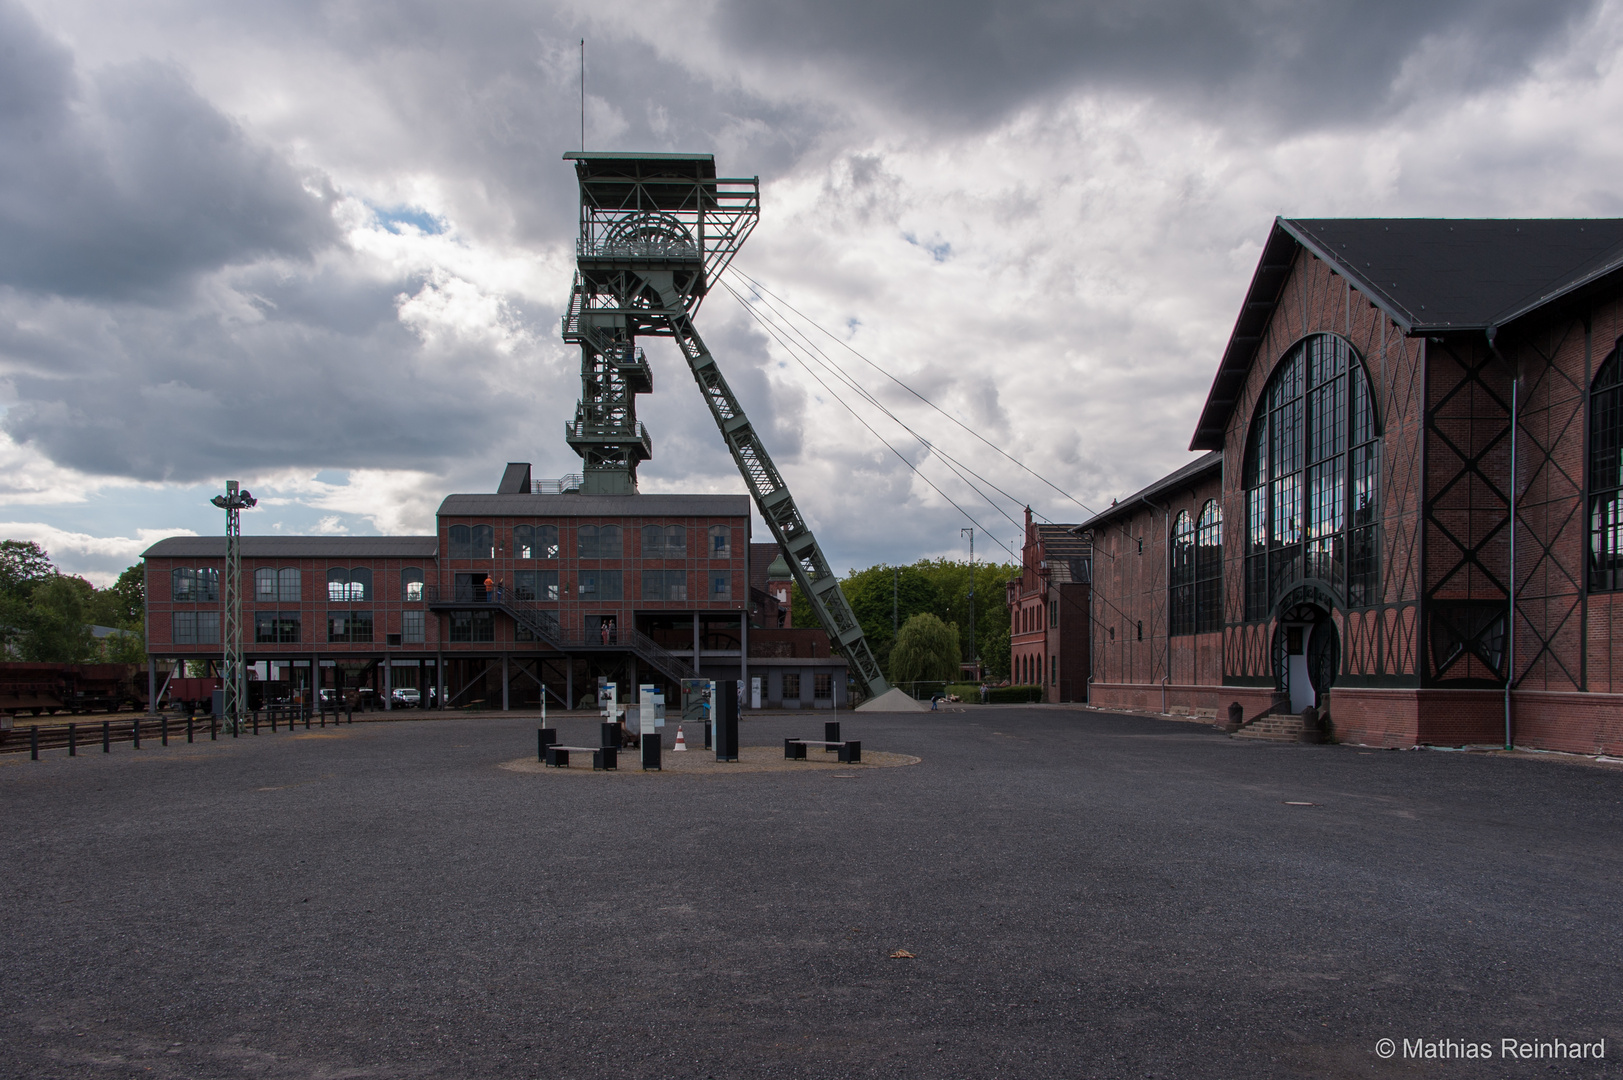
(271, 712)
(163, 729)
(256, 721)
(188, 727)
(135, 732)
(323, 717)
(107, 736)
(33, 742)
(73, 740)
(214, 728)
(349, 716)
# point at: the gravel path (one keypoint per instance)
(1083, 895)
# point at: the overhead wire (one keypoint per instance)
(854, 352)
(957, 467)
(773, 332)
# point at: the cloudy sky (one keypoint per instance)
(322, 247)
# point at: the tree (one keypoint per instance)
(55, 625)
(926, 650)
(124, 603)
(23, 565)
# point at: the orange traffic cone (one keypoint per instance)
(681, 743)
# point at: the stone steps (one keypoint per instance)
(1275, 727)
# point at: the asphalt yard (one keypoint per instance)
(1082, 896)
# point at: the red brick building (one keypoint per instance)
(518, 591)
(1416, 441)
(1048, 605)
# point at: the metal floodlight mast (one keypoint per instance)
(656, 232)
(232, 676)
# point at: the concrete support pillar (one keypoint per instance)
(388, 685)
(152, 687)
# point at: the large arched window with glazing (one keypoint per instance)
(1311, 479)
(1181, 594)
(1209, 569)
(1606, 475)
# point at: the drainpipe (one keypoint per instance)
(1510, 614)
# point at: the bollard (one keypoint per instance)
(163, 729)
(307, 719)
(256, 721)
(135, 732)
(214, 727)
(73, 740)
(349, 716)
(188, 727)
(323, 717)
(107, 736)
(272, 712)
(33, 742)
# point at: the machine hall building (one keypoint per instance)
(535, 588)
(1410, 512)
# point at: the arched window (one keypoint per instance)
(1181, 588)
(461, 542)
(484, 542)
(411, 584)
(664, 542)
(1606, 475)
(1311, 478)
(524, 541)
(599, 542)
(265, 584)
(348, 585)
(1209, 569)
(287, 584)
(721, 541)
(546, 541)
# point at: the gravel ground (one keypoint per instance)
(1084, 895)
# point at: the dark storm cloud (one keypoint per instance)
(1299, 61)
(127, 182)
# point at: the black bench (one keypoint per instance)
(848, 751)
(603, 757)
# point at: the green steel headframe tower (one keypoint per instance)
(233, 675)
(656, 231)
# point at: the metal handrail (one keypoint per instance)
(637, 249)
(561, 486)
(543, 623)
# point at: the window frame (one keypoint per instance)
(1603, 477)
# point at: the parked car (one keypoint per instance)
(406, 697)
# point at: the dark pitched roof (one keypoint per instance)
(297, 547)
(1195, 470)
(596, 506)
(1061, 541)
(1430, 275)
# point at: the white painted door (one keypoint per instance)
(1301, 687)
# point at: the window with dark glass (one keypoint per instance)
(600, 585)
(460, 542)
(411, 584)
(287, 585)
(721, 586)
(721, 541)
(664, 542)
(1606, 475)
(1181, 586)
(524, 541)
(536, 584)
(1209, 569)
(276, 627)
(598, 542)
(196, 628)
(473, 626)
(265, 585)
(823, 687)
(664, 585)
(546, 541)
(791, 686)
(1310, 479)
(483, 542)
(350, 626)
(411, 627)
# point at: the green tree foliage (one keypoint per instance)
(927, 649)
(45, 615)
(939, 587)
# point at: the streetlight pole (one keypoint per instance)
(233, 502)
(972, 658)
